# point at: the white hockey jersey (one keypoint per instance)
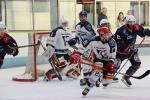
(58, 40)
(102, 51)
(85, 33)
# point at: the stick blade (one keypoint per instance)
(143, 75)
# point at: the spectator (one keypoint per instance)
(120, 19)
(102, 15)
(129, 12)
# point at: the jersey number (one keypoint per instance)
(65, 39)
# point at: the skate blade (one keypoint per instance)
(125, 83)
(117, 81)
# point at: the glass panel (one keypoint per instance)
(98, 10)
(19, 15)
(144, 13)
(121, 7)
(78, 9)
(135, 10)
(2, 12)
(110, 12)
(42, 14)
(89, 8)
(67, 10)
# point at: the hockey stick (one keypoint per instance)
(129, 58)
(27, 46)
(52, 61)
(23, 46)
(146, 73)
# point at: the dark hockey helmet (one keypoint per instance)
(83, 13)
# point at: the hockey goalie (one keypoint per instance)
(63, 61)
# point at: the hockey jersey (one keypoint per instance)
(58, 40)
(85, 32)
(126, 38)
(103, 51)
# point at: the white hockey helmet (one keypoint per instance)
(104, 21)
(63, 22)
(130, 18)
(2, 27)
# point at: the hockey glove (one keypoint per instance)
(15, 52)
(75, 57)
(11, 50)
(147, 32)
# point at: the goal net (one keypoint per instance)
(36, 62)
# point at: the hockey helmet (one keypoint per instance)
(130, 18)
(63, 22)
(104, 21)
(104, 33)
(83, 13)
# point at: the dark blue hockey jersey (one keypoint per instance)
(126, 38)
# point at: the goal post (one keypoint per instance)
(32, 72)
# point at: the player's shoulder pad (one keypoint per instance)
(53, 33)
(77, 24)
(88, 26)
(121, 30)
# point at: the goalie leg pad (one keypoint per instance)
(72, 70)
(50, 74)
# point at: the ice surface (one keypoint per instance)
(70, 89)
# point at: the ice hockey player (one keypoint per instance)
(105, 23)
(103, 49)
(60, 57)
(7, 44)
(84, 34)
(125, 37)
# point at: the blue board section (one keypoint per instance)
(20, 61)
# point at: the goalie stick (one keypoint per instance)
(51, 61)
(146, 73)
(55, 69)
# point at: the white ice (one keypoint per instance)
(70, 89)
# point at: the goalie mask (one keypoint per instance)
(63, 23)
(104, 34)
